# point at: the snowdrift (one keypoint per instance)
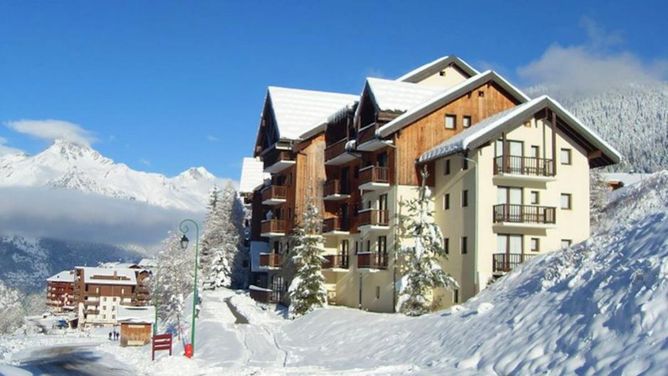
(600, 307)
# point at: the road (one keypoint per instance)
(80, 360)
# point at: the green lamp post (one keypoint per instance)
(184, 226)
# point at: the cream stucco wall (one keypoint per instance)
(451, 78)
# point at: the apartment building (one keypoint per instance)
(60, 292)
(501, 168)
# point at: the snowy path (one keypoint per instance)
(72, 360)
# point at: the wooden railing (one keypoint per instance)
(335, 224)
(273, 225)
(277, 155)
(334, 150)
(278, 192)
(372, 261)
(511, 164)
(374, 174)
(524, 214)
(366, 134)
(273, 260)
(505, 262)
(335, 261)
(373, 217)
(333, 187)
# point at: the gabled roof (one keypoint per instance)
(137, 315)
(322, 125)
(64, 276)
(105, 276)
(436, 66)
(297, 111)
(492, 127)
(397, 96)
(447, 96)
(252, 175)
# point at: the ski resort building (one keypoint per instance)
(509, 177)
(60, 292)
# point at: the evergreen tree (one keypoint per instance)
(307, 290)
(598, 197)
(423, 271)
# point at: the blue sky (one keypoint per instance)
(162, 86)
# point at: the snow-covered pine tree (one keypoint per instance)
(598, 196)
(423, 271)
(209, 232)
(307, 290)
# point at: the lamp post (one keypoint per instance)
(184, 226)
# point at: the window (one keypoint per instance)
(104, 307)
(113, 299)
(534, 151)
(565, 243)
(377, 292)
(446, 201)
(447, 167)
(464, 245)
(565, 156)
(113, 308)
(113, 317)
(566, 201)
(381, 245)
(465, 198)
(122, 291)
(104, 299)
(535, 245)
(455, 296)
(466, 121)
(446, 246)
(104, 317)
(450, 121)
(465, 164)
(535, 197)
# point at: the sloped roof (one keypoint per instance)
(492, 126)
(252, 175)
(91, 273)
(297, 111)
(397, 96)
(132, 314)
(435, 66)
(435, 102)
(64, 276)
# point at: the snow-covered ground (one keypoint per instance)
(600, 307)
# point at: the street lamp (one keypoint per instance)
(184, 226)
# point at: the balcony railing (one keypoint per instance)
(371, 261)
(335, 261)
(334, 187)
(335, 224)
(505, 262)
(277, 160)
(374, 174)
(532, 166)
(372, 217)
(274, 226)
(270, 260)
(334, 150)
(274, 193)
(366, 134)
(524, 214)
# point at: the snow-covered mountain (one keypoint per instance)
(67, 165)
(632, 117)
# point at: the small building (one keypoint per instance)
(60, 291)
(136, 325)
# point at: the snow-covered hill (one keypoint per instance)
(633, 118)
(67, 165)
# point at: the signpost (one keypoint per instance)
(161, 342)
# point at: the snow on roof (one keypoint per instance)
(144, 314)
(105, 276)
(297, 111)
(64, 276)
(147, 263)
(446, 96)
(624, 177)
(437, 65)
(252, 175)
(397, 96)
(490, 127)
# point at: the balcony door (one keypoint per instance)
(509, 195)
(382, 209)
(343, 178)
(509, 201)
(509, 244)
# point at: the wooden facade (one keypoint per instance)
(136, 333)
(60, 296)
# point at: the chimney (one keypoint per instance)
(115, 274)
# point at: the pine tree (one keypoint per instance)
(598, 197)
(307, 290)
(423, 271)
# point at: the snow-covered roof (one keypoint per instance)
(624, 177)
(108, 276)
(297, 111)
(252, 175)
(148, 263)
(435, 102)
(397, 96)
(492, 126)
(64, 276)
(435, 66)
(132, 314)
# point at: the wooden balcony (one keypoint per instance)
(333, 190)
(374, 177)
(274, 195)
(524, 214)
(335, 262)
(371, 261)
(270, 260)
(272, 227)
(336, 226)
(336, 153)
(278, 160)
(505, 262)
(524, 166)
(366, 134)
(371, 219)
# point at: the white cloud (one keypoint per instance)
(595, 65)
(5, 150)
(212, 138)
(53, 129)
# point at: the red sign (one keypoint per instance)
(161, 342)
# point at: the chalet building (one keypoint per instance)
(501, 171)
(99, 292)
(60, 292)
